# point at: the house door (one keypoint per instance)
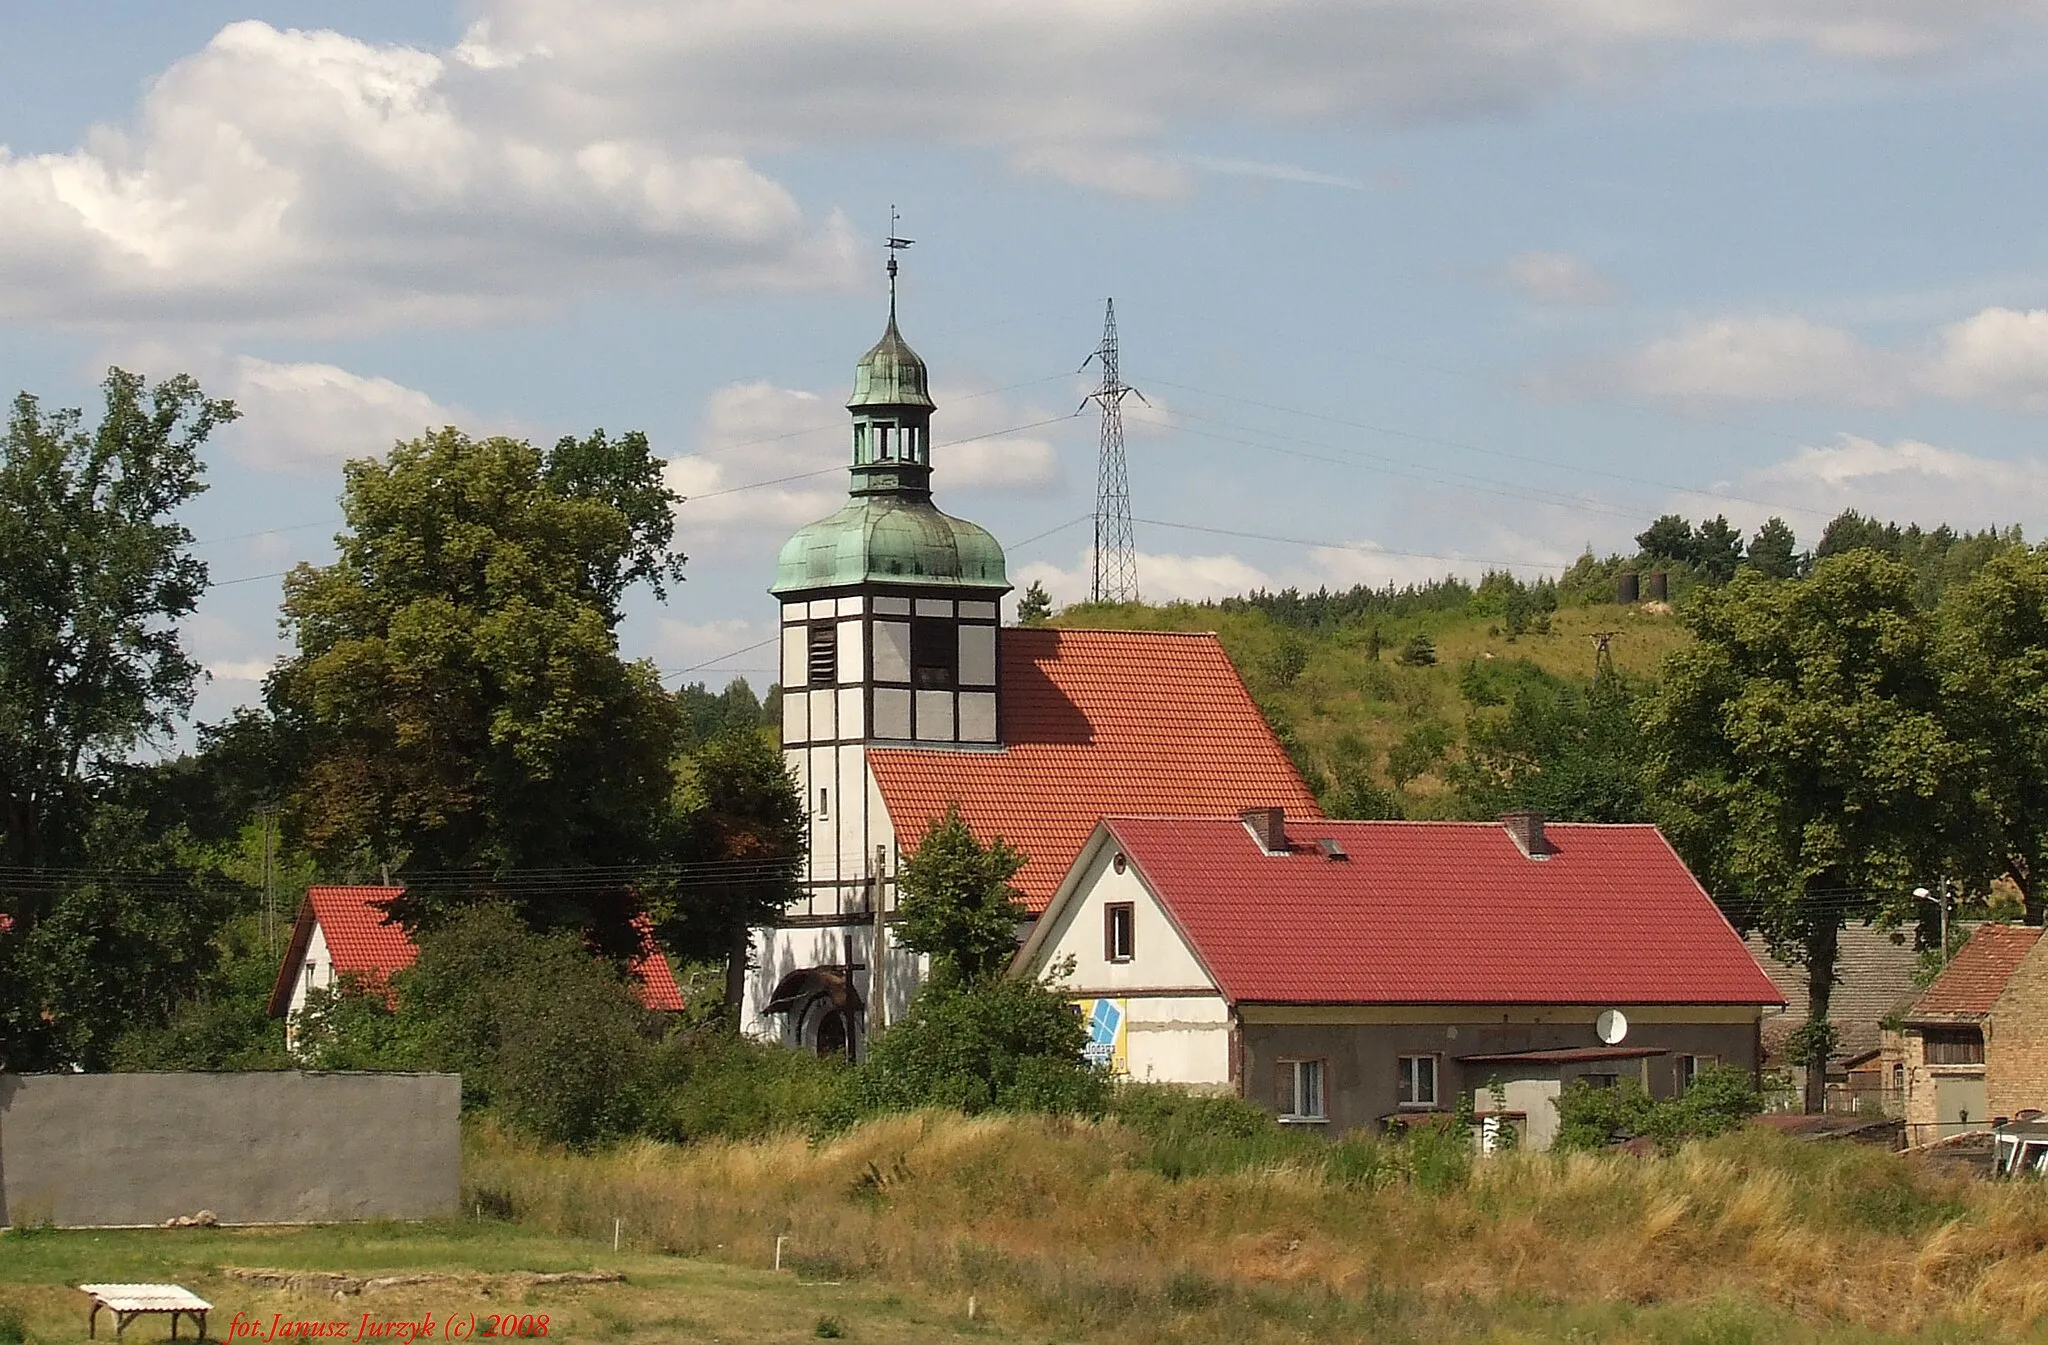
(1959, 1102)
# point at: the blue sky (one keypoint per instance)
(1411, 286)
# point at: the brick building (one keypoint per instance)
(1975, 1043)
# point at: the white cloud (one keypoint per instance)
(1909, 480)
(1763, 359)
(1070, 85)
(771, 459)
(1555, 278)
(1161, 577)
(1999, 356)
(319, 415)
(312, 179)
(240, 670)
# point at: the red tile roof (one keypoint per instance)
(360, 939)
(1443, 913)
(1097, 722)
(364, 944)
(1976, 975)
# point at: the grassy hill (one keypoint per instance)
(1343, 698)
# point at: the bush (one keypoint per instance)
(713, 1084)
(1719, 1099)
(543, 1032)
(997, 1045)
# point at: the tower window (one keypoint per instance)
(824, 656)
(934, 655)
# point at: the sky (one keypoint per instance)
(1409, 287)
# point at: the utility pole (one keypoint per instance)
(269, 894)
(1603, 655)
(1115, 574)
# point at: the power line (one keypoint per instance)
(1463, 446)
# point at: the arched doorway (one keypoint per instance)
(825, 1010)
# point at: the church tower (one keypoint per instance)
(889, 617)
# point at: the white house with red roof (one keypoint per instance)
(902, 694)
(1353, 974)
(344, 934)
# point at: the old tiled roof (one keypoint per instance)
(1097, 722)
(1976, 975)
(1876, 980)
(364, 944)
(360, 938)
(1443, 913)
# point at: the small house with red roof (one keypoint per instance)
(902, 693)
(344, 934)
(1361, 974)
(1974, 1045)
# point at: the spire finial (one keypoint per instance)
(895, 245)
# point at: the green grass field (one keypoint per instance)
(664, 1299)
(1066, 1231)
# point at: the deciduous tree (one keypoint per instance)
(958, 906)
(457, 684)
(1994, 666)
(1797, 754)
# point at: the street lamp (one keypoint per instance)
(1924, 895)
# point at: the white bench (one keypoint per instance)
(129, 1301)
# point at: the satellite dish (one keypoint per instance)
(1611, 1026)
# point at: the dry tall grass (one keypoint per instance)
(1063, 1222)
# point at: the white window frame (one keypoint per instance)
(1310, 1084)
(1410, 1082)
(1110, 951)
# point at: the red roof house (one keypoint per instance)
(1975, 1043)
(344, 932)
(1354, 972)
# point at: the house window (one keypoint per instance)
(934, 655)
(1601, 1080)
(309, 974)
(1689, 1067)
(824, 655)
(1119, 931)
(1954, 1046)
(824, 802)
(1302, 1090)
(1418, 1081)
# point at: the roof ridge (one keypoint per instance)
(1116, 630)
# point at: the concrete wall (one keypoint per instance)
(122, 1149)
(1362, 1047)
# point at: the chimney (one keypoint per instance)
(1526, 828)
(1268, 827)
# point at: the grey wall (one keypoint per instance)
(1363, 1082)
(285, 1147)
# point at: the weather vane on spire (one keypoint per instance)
(895, 245)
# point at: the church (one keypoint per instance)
(903, 694)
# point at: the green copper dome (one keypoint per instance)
(890, 374)
(890, 538)
(889, 531)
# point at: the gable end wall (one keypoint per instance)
(2016, 1038)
